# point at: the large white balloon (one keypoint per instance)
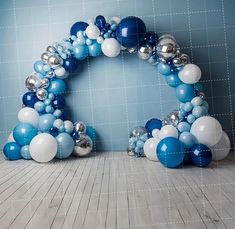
(92, 32)
(43, 147)
(110, 47)
(190, 74)
(168, 131)
(28, 115)
(150, 148)
(221, 149)
(207, 130)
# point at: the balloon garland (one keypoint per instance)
(185, 135)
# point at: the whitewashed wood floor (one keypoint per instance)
(113, 190)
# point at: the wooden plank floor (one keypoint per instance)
(113, 190)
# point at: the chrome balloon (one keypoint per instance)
(54, 61)
(138, 132)
(167, 47)
(41, 94)
(50, 74)
(181, 60)
(51, 49)
(173, 118)
(45, 56)
(132, 50)
(202, 95)
(144, 51)
(80, 127)
(32, 82)
(45, 83)
(83, 146)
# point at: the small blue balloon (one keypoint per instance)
(65, 146)
(188, 106)
(58, 102)
(29, 99)
(182, 114)
(39, 67)
(78, 26)
(185, 93)
(80, 52)
(183, 127)
(173, 80)
(57, 86)
(151, 38)
(90, 131)
(100, 21)
(152, 124)
(45, 122)
(94, 49)
(201, 155)
(12, 151)
(188, 139)
(170, 152)
(70, 64)
(25, 152)
(39, 106)
(197, 101)
(75, 135)
(131, 32)
(23, 133)
(199, 111)
(191, 118)
(164, 69)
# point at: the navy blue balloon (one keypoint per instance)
(78, 26)
(131, 31)
(152, 124)
(151, 38)
(12, 151)
(29, 99)
(75, 135)
(201, 155)
(70, 64)
(100, 21)
(58, 102)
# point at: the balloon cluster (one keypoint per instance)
(44, 132)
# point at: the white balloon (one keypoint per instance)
(28, 115)
(155, 133)
(168, 131)
(61, 73)
(92, 31)
(150, 147)
(222, 148)
(110, 47)
(207, 130)
(10, 138)
(43, 147)
(190, 74)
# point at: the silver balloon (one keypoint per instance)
(132, 50)
(144, 51)
(202, 95)
(172, 118)
(45, 83)
(45, 56)
(181, 60)
(167, 47)
(138, 132)
(31, 82)
(51, 49)
(50, 74)
(54, 61)
(80, 127)
(41, 94)
(83, 146)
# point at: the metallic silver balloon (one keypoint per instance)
(173, 118)
(31, 82)
(51, 49)
(50, 74)
(80, 127)
(132, 50)
(45, 83)
(83, 146)
(138, 132)
(202, 95)
(45, 56)
(144, 51)
(41, 94)
(167, 47)
(181, 60)
(54, 61)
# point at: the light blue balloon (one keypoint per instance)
(94, 49)
(185, 93)
(80, 52)
(45, 122)
(39, 106)
(25, 152)
(191, 118)
(199, 111)
(65, 146)
(140, 144)
(188, 106)
(164, 69)
(173, 80)
(188, 139)
(23, 133)
(57, 86)
(39, 67)
(182, 114)
(183, 127)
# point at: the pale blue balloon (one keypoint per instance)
(188, 139)
(183, 127)
(188, 106)
(164, 69)
(199, 111)
(45, 122)
(65, 146)
(25, 152)
(38, 67)
(39, 106)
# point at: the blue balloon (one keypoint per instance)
(75, 135)
(100, 21)
(70, 64)
(201, 155)
(78, 26)
(39, 106)
(45, 122)
(38, 67)
(164, 69)
(185, 93)
(23, 133)
(188, 139)
(152, 124)
(94, 49)
(57, 86)
(29, 99)
(183, 127)
(90, 131)
(12, 151)
(25, 152)
(65, 146)
(58, 102)
(80, 52)
(187, 158)
(131, 31)
(173, 80)
(151, 38)
(170, 152)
